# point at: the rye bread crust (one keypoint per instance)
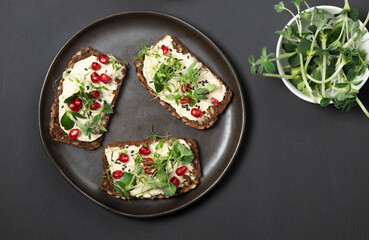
(56, 131)
(214, 112)
(108, 186)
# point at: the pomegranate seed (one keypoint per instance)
(78, 102)
(215, 102)
(196, 112)
(181, 170)
(183, 90)
(95, 78)
(95, 66)
(147, 162)
(175, 181)
(165, 49)
(183, 100)
(95, 93)
(149, 171)
(117, 174)
(95, 106)
(105, 78)
(123, 158)
(73, 106)
(103, 59)
(144, 151)
(73, 134)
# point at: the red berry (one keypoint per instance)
(165, 49)
(117, 174)
(95, 106)
(73, 134)
(144, 151)
(103, 59)
(196, 112)
(96, 93)
(123, 158)
(73, 106)
(147, 162)
(183, 89)
(95, 78)
(105, 78)
(95, 66)
(175, 181)
(181, 170)
(78, 102)
(215, 102)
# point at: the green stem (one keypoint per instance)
(365, 22)
(362, 106)
(331, 77)
(347, 6)
(310, 91)
(297, 22)
(277, 75)
(317, 91)
(284, 55)
(311, 49)
(307, 5)
(324, 70)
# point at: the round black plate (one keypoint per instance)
(135, 110)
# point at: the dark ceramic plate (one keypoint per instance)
(121, 36)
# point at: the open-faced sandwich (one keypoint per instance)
(151, 168)
(181, 83)
(85, 97)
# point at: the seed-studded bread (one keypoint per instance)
(189, 183)
(210, 115)
(56, 131)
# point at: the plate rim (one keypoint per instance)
(212, 185)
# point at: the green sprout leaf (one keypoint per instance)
(324, 102)
(102, 128)
(125, 184)
(279, 7)
(170, 189)
(304, 47)
(354, 14)
(106, 108)
(66, 121)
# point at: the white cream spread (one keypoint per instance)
(112, 155)
(153, 61)
(81, 73)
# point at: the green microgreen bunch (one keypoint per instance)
(93, 125)
(322, 58)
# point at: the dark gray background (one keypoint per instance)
(302, 172)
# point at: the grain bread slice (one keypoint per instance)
(210, 115)
(188, 184)
(56, 131)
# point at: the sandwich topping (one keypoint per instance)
(151, 169)
(87, 96)
(180, 80)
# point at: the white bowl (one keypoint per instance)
(279, 51)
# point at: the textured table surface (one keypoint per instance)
(302, 172)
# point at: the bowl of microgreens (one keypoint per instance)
(321, 56)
